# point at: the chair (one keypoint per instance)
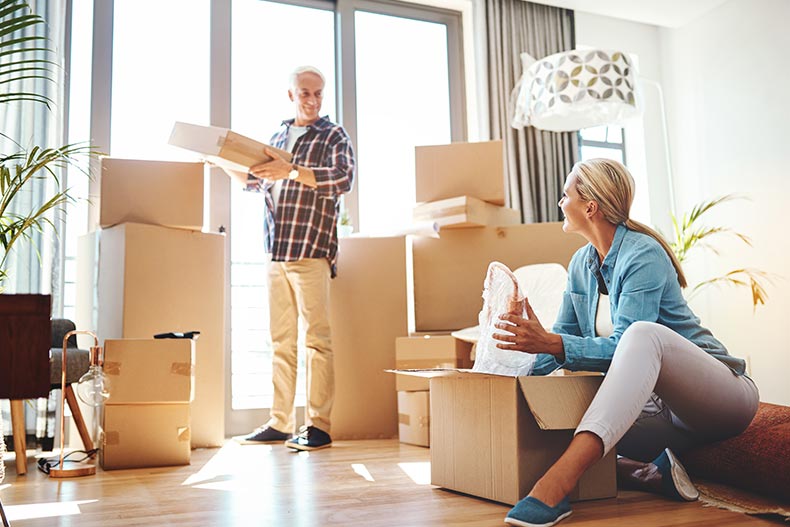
(78, 362)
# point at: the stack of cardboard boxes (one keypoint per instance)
(146, 418)
(149, 270)
(462, 185)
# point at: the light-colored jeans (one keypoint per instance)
(662, 391)
(301, 289)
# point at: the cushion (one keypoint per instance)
(757, 460)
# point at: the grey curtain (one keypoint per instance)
(25, 125)
(536, 162)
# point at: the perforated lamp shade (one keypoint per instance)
(575, 89)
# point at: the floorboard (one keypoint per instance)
(379, 483)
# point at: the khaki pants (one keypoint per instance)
(301, 289)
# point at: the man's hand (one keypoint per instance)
(527, 335)
(277, 168)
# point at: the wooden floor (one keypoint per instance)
(370, 483)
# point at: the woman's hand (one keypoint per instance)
(527, 335)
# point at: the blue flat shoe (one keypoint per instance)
(675, 481)
(531, 512)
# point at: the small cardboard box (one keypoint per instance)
(150, 370)
(460, 169)
(163, 193)
(425, 352)
(414, 418)
(223, 147)
(145, 435)
(494, 436)
(465, 211)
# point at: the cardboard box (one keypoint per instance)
(150, 370)
(426, 352)
(145, 435)
(368, 310)
(465, 211)
(449, 271)
(460, 169)
(155, 192)
(223, 147)
(494, 436)
(414, 418)
(145, 279)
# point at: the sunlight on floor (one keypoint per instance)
(420, 473)
(362, 470)
(44, 510)
(232, 459)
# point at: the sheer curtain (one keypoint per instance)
(536, 162)
(25, 125)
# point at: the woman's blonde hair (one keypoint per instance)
(610, 184)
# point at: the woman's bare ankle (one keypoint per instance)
(550, 493)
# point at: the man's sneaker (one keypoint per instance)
(309, 438)
(675, 481)
(262, 435)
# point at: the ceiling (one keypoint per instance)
(667, 13)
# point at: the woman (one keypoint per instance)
(669, 383)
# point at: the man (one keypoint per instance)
(302, 205)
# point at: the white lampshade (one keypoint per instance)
(575, 89)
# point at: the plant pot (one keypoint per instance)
(344, 231)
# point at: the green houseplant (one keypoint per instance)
(689, 232)
(25, 56)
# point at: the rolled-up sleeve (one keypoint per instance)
(335, 176)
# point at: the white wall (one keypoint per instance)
(645, 151)
(728, 86)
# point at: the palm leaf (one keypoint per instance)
(755, 279)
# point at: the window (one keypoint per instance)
(259, 103)
(226, 63)
(603, 141)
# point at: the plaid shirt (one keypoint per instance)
(305, 222)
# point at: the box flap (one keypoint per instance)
(559, 402)
(430, 373)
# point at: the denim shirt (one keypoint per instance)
(643, 285)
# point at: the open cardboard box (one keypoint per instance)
(494, 436)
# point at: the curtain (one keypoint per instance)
(32, 266)
(536, 162)
(28, 124)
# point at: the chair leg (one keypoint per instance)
(87, 442)
(2, 516)
(18, 429)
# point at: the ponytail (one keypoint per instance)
(644, 229)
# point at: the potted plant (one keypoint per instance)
(689, 232)
(344, 227)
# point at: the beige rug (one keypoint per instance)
(730, 498)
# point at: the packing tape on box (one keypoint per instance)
(182, 368)
(404, 419)
(183, 434)
(112, 438)
(112, 368)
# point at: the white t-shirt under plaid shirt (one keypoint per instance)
(304, 223)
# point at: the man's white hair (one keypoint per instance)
(304, 69)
